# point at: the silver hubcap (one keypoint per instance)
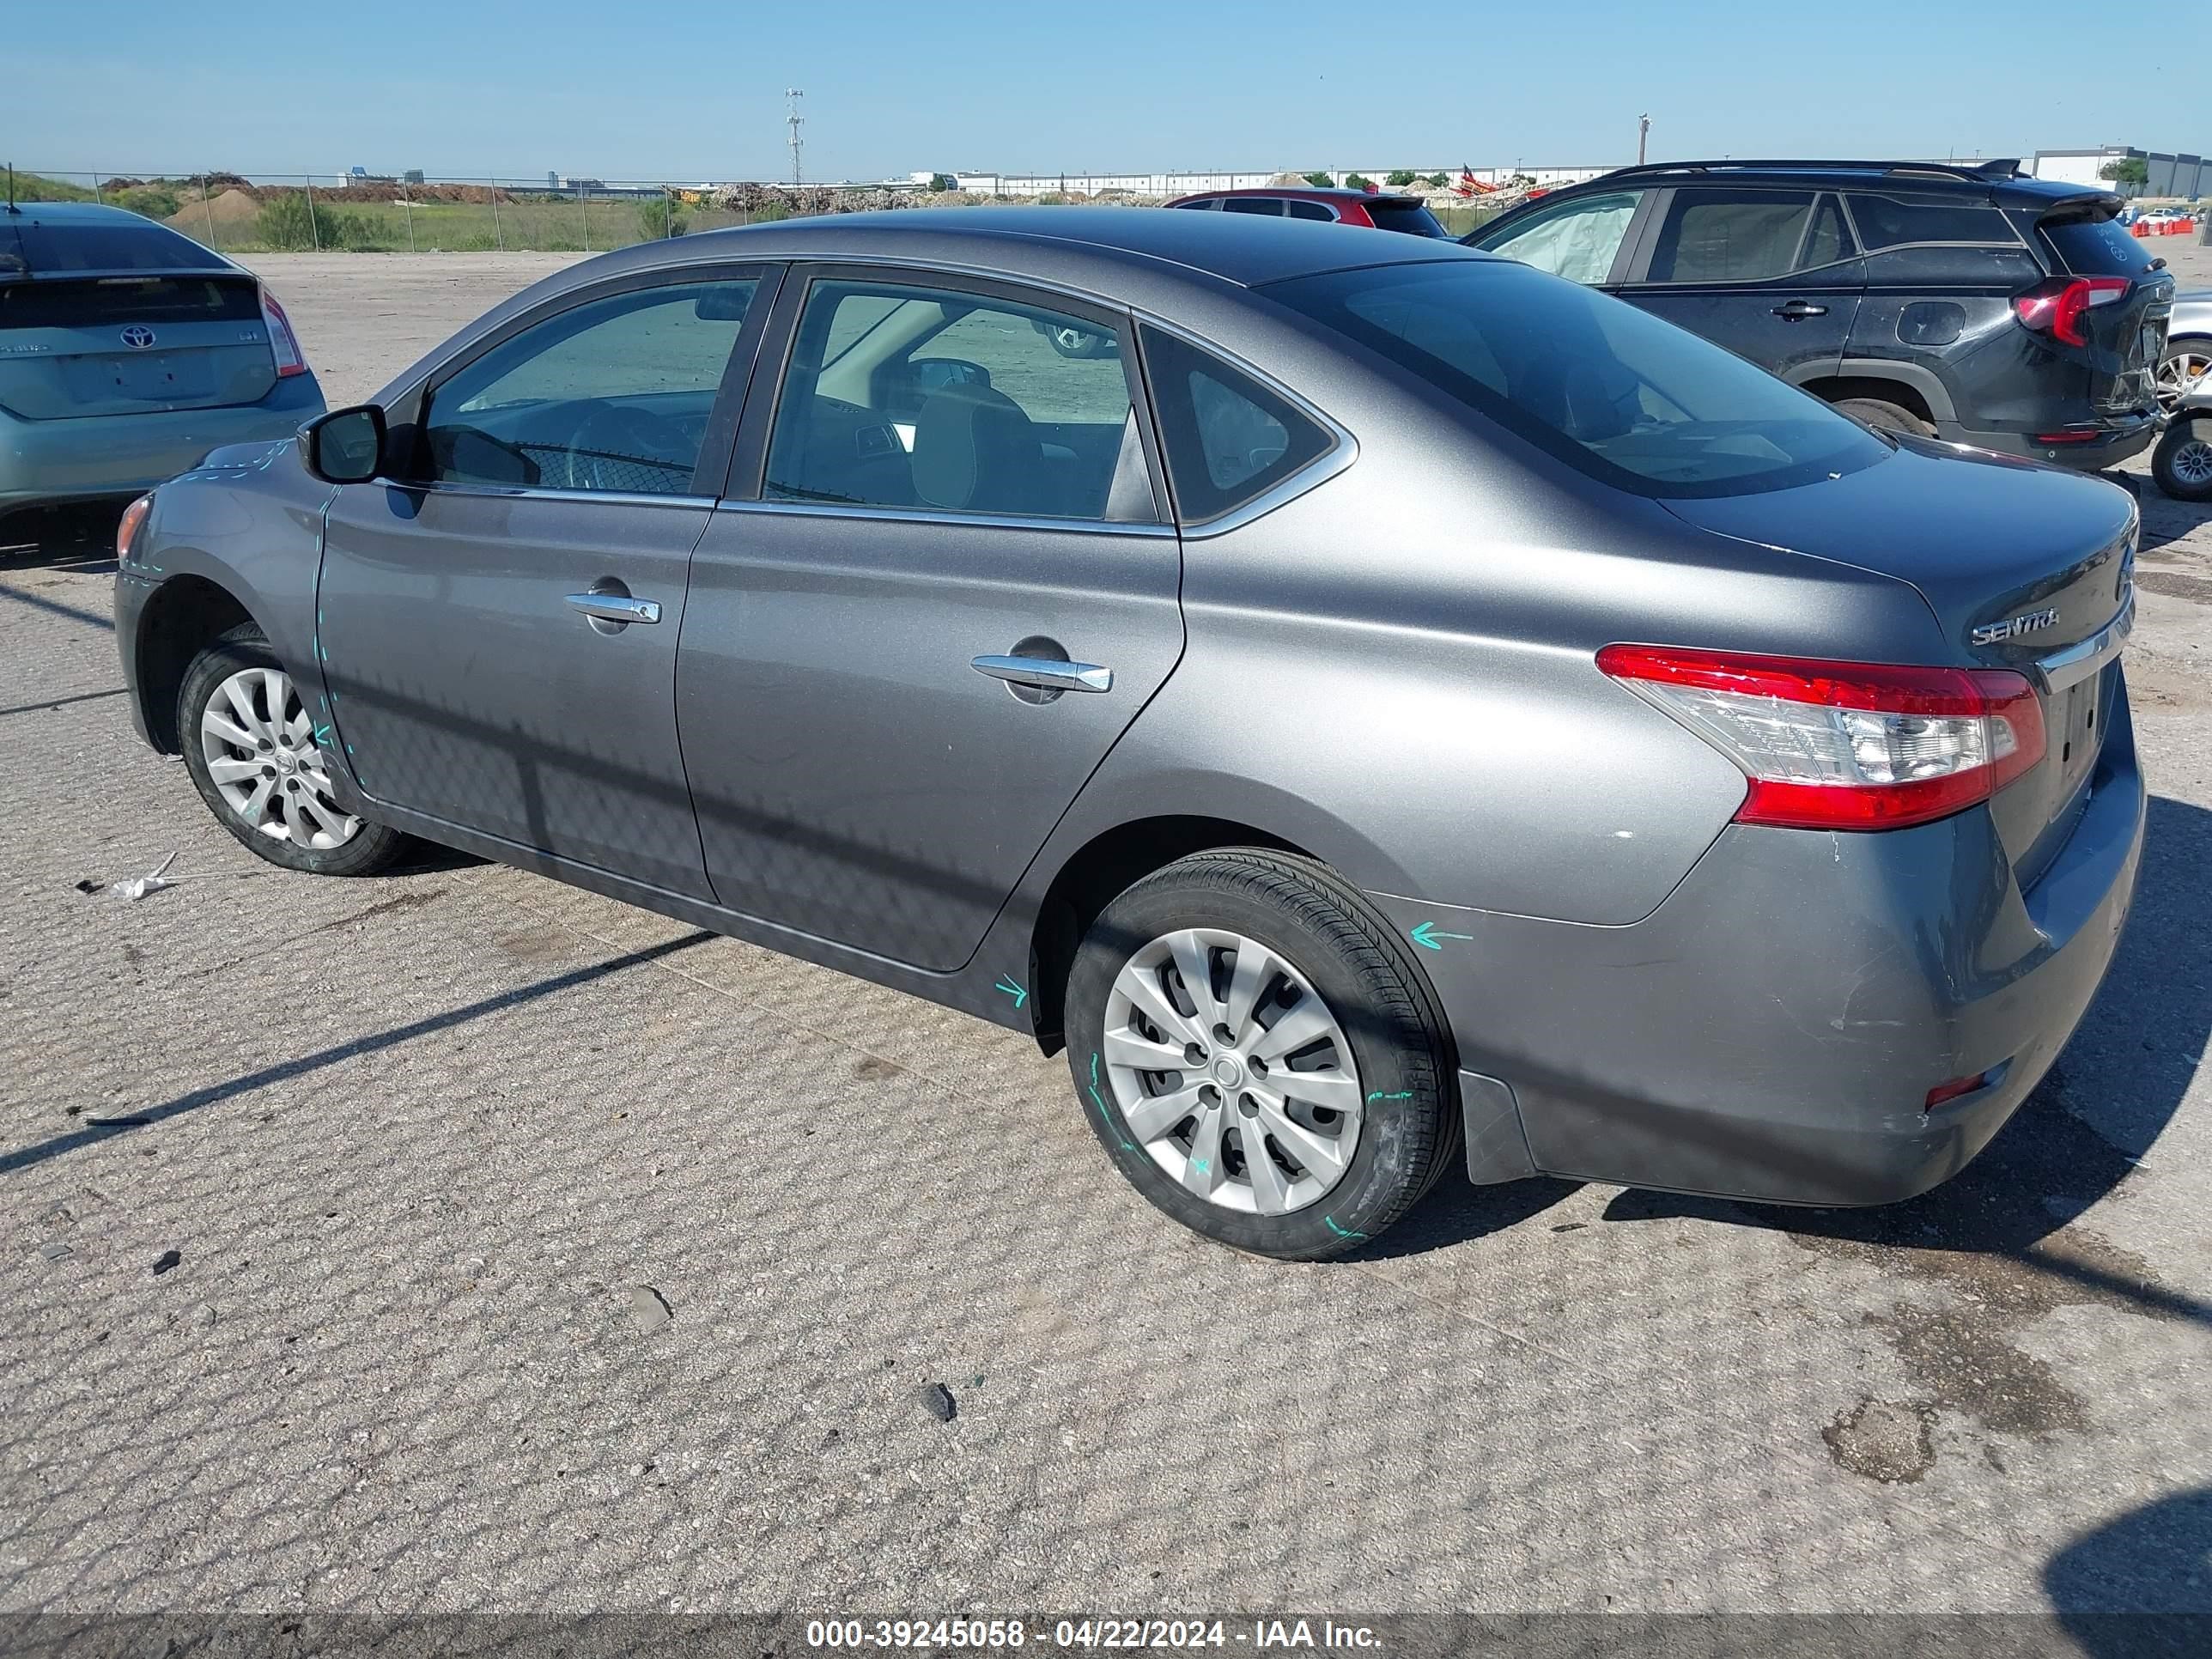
(259, 745)
(1232, 1072)
(2192, 462)
(2175, 372)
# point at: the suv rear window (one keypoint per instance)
(2094, 243)
(1411, 217)
(1894, 221)
(104, 300)
(1608, 389)
(31, 245)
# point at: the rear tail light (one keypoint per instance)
(1844, 745)
(283, 342)
(126, 532)
(2056, 308)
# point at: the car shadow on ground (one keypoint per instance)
(2141, 1583)
(2083, 1132)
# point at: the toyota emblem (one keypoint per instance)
(138, 336)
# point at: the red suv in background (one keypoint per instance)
(1379, 211)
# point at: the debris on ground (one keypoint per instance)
(168, 1259)
(137, 887)
(649, 1307)
(937, 1400)
(54, 1250)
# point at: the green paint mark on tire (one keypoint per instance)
(1403, 1094)
(1330, 1221)
(1105, 1117)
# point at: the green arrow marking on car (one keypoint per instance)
(1020, 995)
(1428, 938)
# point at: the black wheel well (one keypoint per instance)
(1837, 388)
(185, 615)
(1100, 871)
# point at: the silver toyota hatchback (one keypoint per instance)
(1381, 709)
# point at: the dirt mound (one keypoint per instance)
(233, 207)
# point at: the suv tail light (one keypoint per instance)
(283, 344)
(1844, 745)
(2056, 308)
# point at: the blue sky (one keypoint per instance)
(678, 90)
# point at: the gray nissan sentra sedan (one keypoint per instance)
(1382, 709)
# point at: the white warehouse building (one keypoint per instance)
(2171, 173)
(1185, 184)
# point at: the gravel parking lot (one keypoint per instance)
(528, 1251)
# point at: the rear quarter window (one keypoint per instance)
(1228, 439)
(1898, 221)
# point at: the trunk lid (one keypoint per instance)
(2020, 563)
(132, 342)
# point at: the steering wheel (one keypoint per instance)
(612, 444)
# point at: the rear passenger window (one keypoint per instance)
(1207, 202)
(1896, 221)
(938, 400)
(1309, 211)
(1730, 235)
(1266, 204)
(1228, 439)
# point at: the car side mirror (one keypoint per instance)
(935, 373)
(344, 446)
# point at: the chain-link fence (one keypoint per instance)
(300, 212)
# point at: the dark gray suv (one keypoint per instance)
(1389, 709)
(1971, 304)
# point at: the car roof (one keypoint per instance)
(1991, 180)
(1090, 247)
(1305, 193)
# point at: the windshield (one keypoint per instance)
(1614, 392)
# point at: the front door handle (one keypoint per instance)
(617, 607)
(1797, 310)
(1045, 674)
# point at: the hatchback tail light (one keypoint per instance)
(2056, 308)
(283, 344)
(1844, 745)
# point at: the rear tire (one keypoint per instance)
(2181, 465)
(238, 712)
(1355, 1122)
(1889, 417)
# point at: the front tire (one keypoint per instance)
(2181, 465)
(261, 763)
(2185, 360)
(1258, 1054)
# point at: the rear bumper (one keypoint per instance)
(2108, 446)
(43, 463)
(1772, 1031)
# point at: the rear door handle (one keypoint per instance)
(1799, 308)
(617, 607)
(1046, 674)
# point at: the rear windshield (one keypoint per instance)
(1610, 390)
(1411, 217)
(2094, 243)
(125, 299)
(29, 244)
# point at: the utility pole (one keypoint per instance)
(794, 119)
(1643, 131)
